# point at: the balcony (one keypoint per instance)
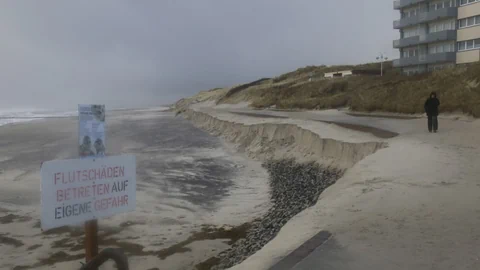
(439, 36)
(406, 42)
(426, 16)
(426, 59)
(423, 39)
(399, 4)
(405, 22)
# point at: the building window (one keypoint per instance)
(441, 47)
(410, 12)
(410, 32)
(411, 70)
(411, 52)
(442, 4)
(470, 21)
(440, 66)
(469, 45)
(441, 26)
(451, 47)
(466, 2)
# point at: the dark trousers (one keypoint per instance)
(432, 123)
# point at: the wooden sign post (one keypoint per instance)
(91, 124)
(91, 240)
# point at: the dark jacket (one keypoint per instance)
(431, 105)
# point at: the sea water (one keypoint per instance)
(11, 116)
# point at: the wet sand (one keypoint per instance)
(189, 185)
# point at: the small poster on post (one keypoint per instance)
(91, 130)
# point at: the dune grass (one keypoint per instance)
(457, 88)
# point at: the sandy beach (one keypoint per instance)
(189, 184)
(405, 194)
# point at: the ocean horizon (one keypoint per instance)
(25, 114)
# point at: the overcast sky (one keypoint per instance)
(57, 53)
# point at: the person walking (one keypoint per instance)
(431, 108)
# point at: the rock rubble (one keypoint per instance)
(293, 188)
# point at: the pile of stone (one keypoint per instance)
(293, 188)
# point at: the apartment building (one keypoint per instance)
(436, 34)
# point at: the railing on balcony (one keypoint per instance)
(404, 22)
(405, 42)
(441, 13)
(423, 39)
(439, 36)
(399, 4)
(425, 59)
(426, 16)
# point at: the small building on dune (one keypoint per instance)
(336, 74)
(356, 72)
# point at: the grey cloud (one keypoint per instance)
(59, 53)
